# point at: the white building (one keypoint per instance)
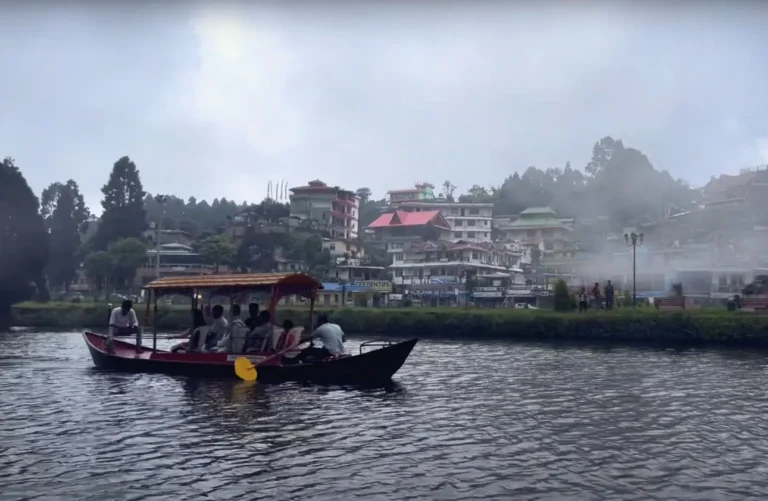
(449, 262)
(470, 222)
(335, 209)
(536, 227)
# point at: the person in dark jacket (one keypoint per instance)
(609, 296)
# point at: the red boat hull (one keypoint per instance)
(371, 367)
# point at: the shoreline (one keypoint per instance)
(691, 327)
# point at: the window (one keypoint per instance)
(399, 256)
(475, 256)
(470, 222)
(470, 234)
(549, 245)
(457, 234)
(398, 273)
(332, 247)
(474, 212)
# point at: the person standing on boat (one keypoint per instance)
(219, 328)
(330, 335)
(123, 322)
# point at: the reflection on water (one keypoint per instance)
(464, 421)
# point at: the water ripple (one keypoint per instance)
(466, 421)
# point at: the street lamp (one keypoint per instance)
(160, 199)
(633, 240)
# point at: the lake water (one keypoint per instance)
(467, 420)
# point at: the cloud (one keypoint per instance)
(217, 99)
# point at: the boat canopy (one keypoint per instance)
(282, 283)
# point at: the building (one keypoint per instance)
(471, 222)
(176, 260)
(394, 229)
(538, 227)
(734, 189)
(448, 261)
(334, 209)
(422, 191)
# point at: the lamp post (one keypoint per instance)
(160, 199)
(633, 240)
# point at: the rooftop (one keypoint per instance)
(402, 218)
(445, 203)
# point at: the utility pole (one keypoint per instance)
(160, 199)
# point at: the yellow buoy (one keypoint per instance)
(245, 370)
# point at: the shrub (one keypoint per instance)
(562, 296)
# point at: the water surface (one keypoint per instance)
(467, 420)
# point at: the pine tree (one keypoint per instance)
(124, 215)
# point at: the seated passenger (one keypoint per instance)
(219, 328)
(330, 335)
(260, 333)
(235, 321)
(253, 311)
(192, 333)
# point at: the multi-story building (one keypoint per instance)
(450, 262)
(470, 222)
(422, 191)
(536, 226)
(335, 209)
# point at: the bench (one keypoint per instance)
(754, 304)
(670, 303)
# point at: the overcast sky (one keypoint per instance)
(215, 99)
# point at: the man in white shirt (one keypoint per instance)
(123, 322)
(235, 321)
(330, 335)
(219, 328)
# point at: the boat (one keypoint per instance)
(376, 362)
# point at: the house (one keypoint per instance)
(334, 209)
(393, 229)
(176, 260)
(168, 237)
(470, 222)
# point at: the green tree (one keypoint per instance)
(217, 250)
(448, 189)
(124, 215)
(364, 194)
(602, 152)
(23, 241)
(128, 255)
(562, 296)
(66, 217)
(99, 267)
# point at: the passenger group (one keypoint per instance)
(258, 329)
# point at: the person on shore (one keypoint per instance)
(330, 335)
(219, 328)
(596, 296)
(253, 320)
(583, 299)
(609, 292)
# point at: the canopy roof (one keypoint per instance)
(237, 282)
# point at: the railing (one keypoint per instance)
(376, 344)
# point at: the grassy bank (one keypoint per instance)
(645, 325)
